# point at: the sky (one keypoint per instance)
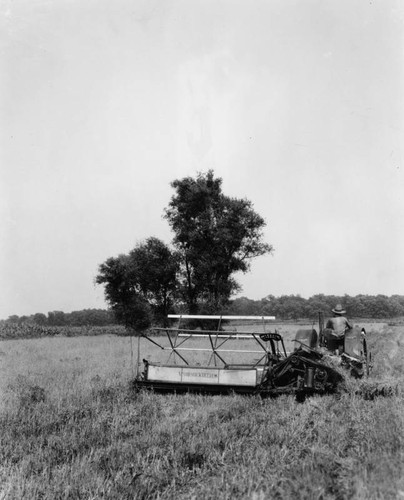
(296, 104)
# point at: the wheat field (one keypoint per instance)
(71, 428)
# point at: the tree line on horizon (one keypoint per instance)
(85, 317)
(294, 307)
(284, 307)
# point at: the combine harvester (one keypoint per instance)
(251, 361)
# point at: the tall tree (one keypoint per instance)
(216, 236)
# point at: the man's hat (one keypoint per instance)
(338, 309)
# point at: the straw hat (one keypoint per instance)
(338, 309)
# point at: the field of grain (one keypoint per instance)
(70, 427)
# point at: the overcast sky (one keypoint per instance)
(297, 105)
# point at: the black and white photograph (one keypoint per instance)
(201, 249)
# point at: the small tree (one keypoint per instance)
(135, 314)
(140, 285)
(154, 267)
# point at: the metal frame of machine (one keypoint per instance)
(310, 368)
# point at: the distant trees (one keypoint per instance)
(285, 307)
(292, 307)
(86, 317)
(56, 318)
(40, 319)
(13, 319)
(90, 317)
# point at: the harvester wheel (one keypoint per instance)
(320, 375)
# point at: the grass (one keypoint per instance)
(70, 428)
